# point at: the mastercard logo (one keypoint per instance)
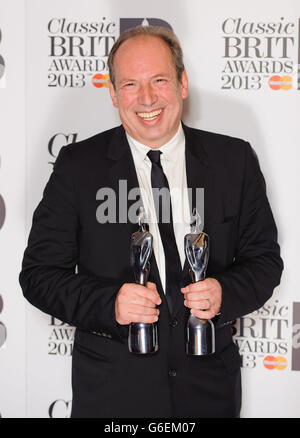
(280, 82)
(275, 363)
(99, 80)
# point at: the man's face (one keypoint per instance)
(147, 92)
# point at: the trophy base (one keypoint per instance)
(142, 338)
(200, 337)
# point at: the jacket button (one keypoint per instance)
(174, 323)
(172, 373)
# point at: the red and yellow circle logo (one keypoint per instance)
(280, 82)
(275, 363)
(99, 80)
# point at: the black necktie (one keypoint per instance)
(163, 209)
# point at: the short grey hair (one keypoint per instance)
(167, 35)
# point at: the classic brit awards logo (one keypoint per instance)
(260, 54)
(78, 50)
(269, 336)
(60, 409)
(57, 141)
(263, 337)
(60, 339)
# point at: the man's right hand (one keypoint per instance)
(137, 303)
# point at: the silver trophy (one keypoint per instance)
(142, 338)
(200, 332)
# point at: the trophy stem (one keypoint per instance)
(142, 337)
(200, 337)
(200, 334)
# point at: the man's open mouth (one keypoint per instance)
(151, 115)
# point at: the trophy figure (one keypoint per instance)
(200, 332)
(142, 338)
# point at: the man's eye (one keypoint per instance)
(129, 84)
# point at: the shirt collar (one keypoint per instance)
(170, 150)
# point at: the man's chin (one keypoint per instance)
(152, 136)
(154, 141)
(148, 137)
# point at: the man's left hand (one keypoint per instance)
(203, 298)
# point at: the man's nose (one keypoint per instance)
(147, 95)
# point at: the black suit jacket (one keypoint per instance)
(108, 381)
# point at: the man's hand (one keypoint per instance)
(137, 303)
(203, 298)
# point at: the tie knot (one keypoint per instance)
(154, 156)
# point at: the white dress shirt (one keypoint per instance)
(174, 167)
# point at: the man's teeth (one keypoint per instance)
(150, 116)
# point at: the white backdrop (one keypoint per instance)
(242, 61)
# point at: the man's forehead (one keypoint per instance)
(140, 54)
(145, 42)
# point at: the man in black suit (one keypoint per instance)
(148, 86)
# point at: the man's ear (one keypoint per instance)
(184, 85)
(113, 94)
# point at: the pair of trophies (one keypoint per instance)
(200, 336)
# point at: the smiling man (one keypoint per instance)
(152, 149)
(147, 90)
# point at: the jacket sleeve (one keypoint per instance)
(256, 270)
(48, 278)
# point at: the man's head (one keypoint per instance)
(165, 34)
(148, 83)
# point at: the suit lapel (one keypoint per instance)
(123, 177)
(200, 172)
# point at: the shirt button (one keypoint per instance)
(174, 323)
(172, 373)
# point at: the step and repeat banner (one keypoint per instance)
(242, 60)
